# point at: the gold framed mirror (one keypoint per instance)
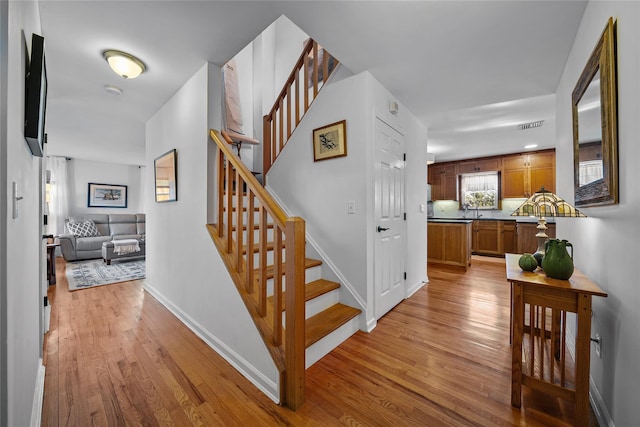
(166, 177)
(595, 126)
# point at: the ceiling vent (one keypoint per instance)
(530, 125)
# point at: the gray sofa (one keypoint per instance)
(110, 227)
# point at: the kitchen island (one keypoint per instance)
(449, 242)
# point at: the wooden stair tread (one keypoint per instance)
(255, 227)
(327, 321)
(308, 263)
(256, 247)
(312, 290)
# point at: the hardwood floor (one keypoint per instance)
(115, 356)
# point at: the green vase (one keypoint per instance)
(557, 263)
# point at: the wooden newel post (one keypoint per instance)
(295, 313)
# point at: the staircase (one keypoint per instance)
(296, 311)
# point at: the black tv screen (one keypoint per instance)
(35, 97)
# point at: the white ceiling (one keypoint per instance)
(456, 65)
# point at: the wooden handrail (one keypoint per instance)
(286, 346)
(285, 115)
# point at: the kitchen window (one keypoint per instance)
(479, 190)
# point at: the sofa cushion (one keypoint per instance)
(83, 229)
(122, 224)
(100, 220)
(91, 243)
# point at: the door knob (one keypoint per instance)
(380, 229)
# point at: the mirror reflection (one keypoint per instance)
(166, 179)
(590, 168)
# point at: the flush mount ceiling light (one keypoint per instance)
(530, 146)
(123, 64)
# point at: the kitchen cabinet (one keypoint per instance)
(480, 165)
(509, 237)
(524, 174)
(449, 242)
(485, 239)
(494, 237)
(444, 181)
(526, 236)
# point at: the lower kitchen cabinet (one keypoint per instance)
(486, 235)
(494, 237)
(509, 237)
(449, 243)
(526, 236)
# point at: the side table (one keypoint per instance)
(543, 372)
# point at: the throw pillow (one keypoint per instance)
(83, 229)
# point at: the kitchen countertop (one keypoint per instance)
(516, 219)
(451, 220)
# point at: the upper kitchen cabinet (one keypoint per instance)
(480, 165)
(524, 174)
(443, 179)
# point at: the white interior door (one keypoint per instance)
(389, 213)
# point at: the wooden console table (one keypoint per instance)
(549, 300)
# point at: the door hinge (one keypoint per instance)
(405, 275)
(404, 157)
(405, 216)
(46, 301)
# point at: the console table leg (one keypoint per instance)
(516, 347)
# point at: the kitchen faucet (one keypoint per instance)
(478, 215)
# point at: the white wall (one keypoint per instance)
(606, 243)
(82, 172)
(21, 257)
(184, 269)
(319, 191)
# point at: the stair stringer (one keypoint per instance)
(330, 271)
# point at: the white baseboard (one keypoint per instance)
(415, 288)
(599, 408)
(250, 372)
(38, 397)
(595, 399)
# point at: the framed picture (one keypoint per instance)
(330, 141)
(166, 173)
(107, 196)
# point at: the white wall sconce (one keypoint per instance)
(123, 64)
(393, 107)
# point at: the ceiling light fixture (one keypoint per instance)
(113, 90)
(530, 146)
(123, 64)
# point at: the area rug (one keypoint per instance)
(87, 274)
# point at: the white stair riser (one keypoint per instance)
(318, 304)
(321, 348)
(311, 274)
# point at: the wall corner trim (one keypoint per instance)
(38, 396)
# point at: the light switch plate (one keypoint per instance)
(351, 207)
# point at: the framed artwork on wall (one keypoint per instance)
(106, 196)
(330, 141)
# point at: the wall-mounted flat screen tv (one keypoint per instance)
(35, 97)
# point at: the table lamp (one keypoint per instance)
(544, 204)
